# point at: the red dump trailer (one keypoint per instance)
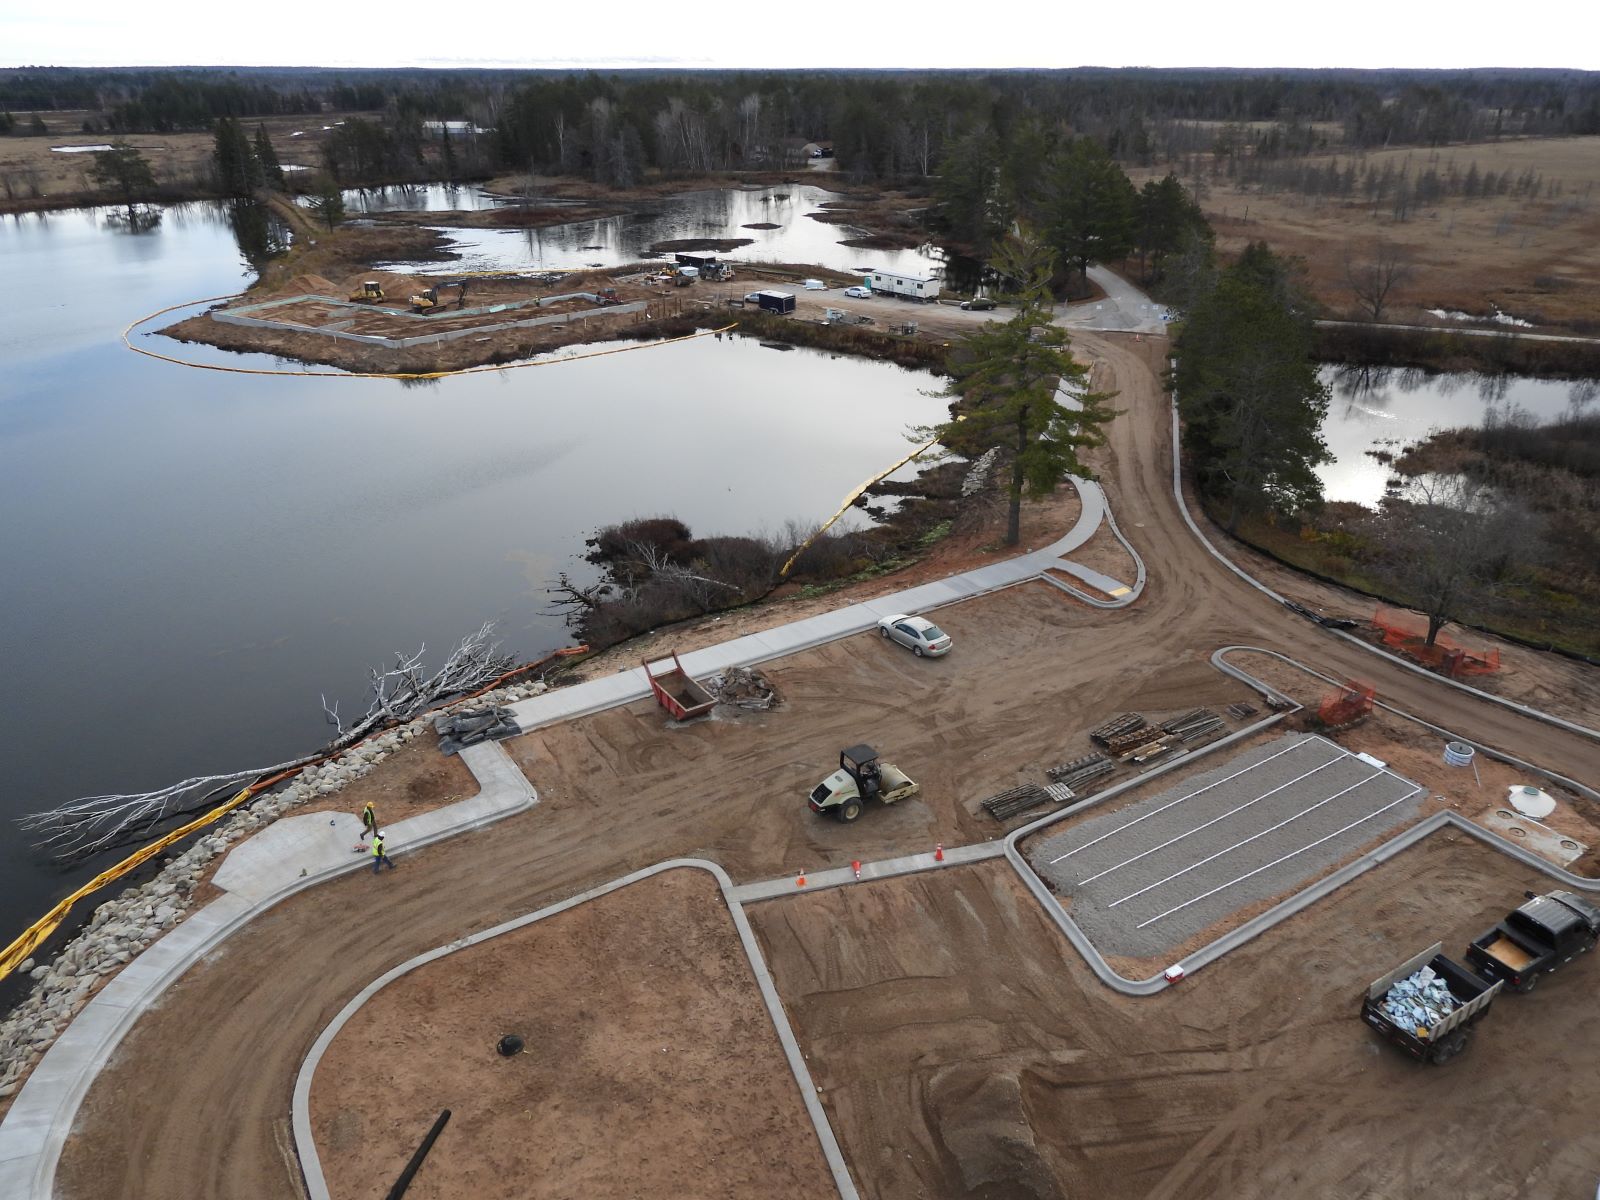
(676, 691)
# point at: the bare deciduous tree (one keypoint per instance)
(1449, 542)
(1375, 277)
(93, 823)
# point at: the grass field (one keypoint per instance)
(1536, 259)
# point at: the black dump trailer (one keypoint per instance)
(1428, 1005)
(1547, 932)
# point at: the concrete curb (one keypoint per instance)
(305, 1142)
(1183, 507)
(625, 687)
(41, 1118)
(1292, 904)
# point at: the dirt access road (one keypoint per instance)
(214, 1064)
(964, 1050)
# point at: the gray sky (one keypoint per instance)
(819, 33)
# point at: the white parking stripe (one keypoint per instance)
(1214, 820)
(1190, 796)
(1276, 861)
(1262, 833)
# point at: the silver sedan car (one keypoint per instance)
(918, 634)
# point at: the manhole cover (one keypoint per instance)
(1500, 812)
(1515, 832)
(1568, 844)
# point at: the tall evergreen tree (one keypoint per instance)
(1165, 217)
(238, 171)
(123, 171)
(1088, 206)
(968, 190)
(1017, 387)
(267, 158)
(1249, 394)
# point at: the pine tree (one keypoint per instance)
(1248, 390)
(123, 171)
(1089, 206)
(1017, 386)
(328, 202)
(267, 158)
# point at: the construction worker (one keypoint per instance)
(379, 858)
(369, 820)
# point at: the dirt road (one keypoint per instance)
(963, 1050)
(212, 1067)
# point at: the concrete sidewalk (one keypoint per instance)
(290, 854)
(628, 686)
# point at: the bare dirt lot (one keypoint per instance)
(651, 1066)
(737, 786)
(1537, 259)
(963, 1050)
(943, 1046)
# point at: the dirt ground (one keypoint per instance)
(1123, 1098)
(963, 1049)
(1535, 259)
(651, 1066)
(975, 542)
(736, 786)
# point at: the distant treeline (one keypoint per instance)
(889, 118)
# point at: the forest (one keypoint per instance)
(883, 125)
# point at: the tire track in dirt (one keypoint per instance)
(213, 1065)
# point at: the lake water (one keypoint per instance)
(193, 557)
(1383, 408)
(721, 213)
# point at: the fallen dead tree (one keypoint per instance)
(90, 824)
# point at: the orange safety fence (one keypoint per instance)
(35, 935)
(1407, 632)
(1346, 703)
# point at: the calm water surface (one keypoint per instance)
(721, 213)
(1383, 408)
(191, 558)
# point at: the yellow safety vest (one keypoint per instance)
(377, 847)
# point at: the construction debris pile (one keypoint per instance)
(467, 727)
(1419, 1001)
(1083, 770)
(1020, 799)
(742, 687)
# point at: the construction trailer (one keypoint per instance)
(774, 302)
(912, 287)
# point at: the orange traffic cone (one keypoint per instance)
(856, 867)
(800, 879)
(938, 852)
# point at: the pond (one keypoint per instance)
(193, 557)
(1385, 408)
(720, 213)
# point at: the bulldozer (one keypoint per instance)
(861, 776)
(371, 293)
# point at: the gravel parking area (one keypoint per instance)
(1148, 876)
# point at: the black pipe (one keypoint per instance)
(406, 1176)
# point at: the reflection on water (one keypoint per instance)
(1385, 408)
(722, 213)
(192, 557)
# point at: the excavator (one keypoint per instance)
(428, 300)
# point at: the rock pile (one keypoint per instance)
(977, 477)
(742, 687)
(126, 924)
